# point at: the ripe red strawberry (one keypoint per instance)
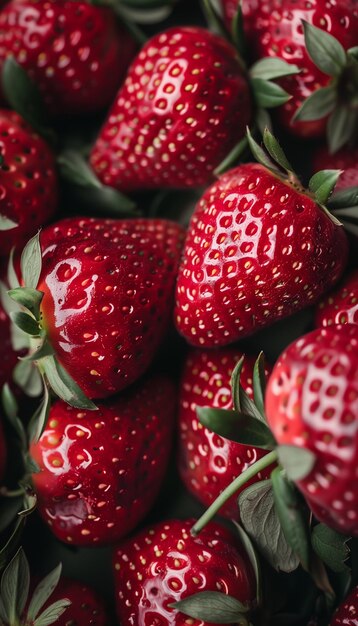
(100, 473)
(108, 291)
(347, 612)
(28, 182)
(341, 305)
(184, 105)
(344, 159)
(274, 28)
(86, 608)
(312, 403)
(165, 564)
(207, 461)
(75, 51)
(258, 248)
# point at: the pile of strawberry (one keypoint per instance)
(155, 242)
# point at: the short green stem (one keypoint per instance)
(231, 489)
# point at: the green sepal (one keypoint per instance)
(45, 349)
(326, 51)
(43, 592)
(323, 183)
(213, 607)
(28, 378)
(15, 583)
(31, 262)
(52, 613)
(213, 19)
(39, 419)
(344, 198)
(259, 517)
(11, 412)
(259, 384)
(238, 427)
(26, 323)
(128, 17)
(251, 552)
(6, 223)
(260, 155)
(24, 97)
(331, 547)
(12, 277)
(269, 68)
(63, 384)
(293, 517)
(28, 298)
(298, 462)
(319, 104)
(341, 127)
(241, 401)
(29, 505)
(31, 466)
(353, 52)
(238, 33)
(267, 94)
(275, 151)
(262, 120)
(232, 158)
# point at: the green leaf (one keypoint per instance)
(267, 94)
(39, 419)
(11, 411)
(353, 52)
(263, 120)
(331, 547)
(12, 543)
(31, 262)
(30, 503)
(259, 384)
(238, 32)
(324, 49)
(293, 518)
(269, 68)
(237, 427)
(42, 592)
(24, 97)
(341, 127)
(6, 223)
(212, 607)
(64, 386)
(28, 298)
(322, 184)
(259, 517)
(213, 19)
(44, 349)
(298, 462)
(26, 323)
(260, 155)
(28, 378)
(344, 198)
(15, 584)
(319, 104)
(253, 558)
(52, 613)
(235, 384)
(12, 277)
(232, 158)
(275, 151)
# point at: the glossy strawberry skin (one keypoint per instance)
(345, 159)
(101, 472)
(312, 402)
(108, 294)
(347, 612)
(208, 462)
(28, 181)
(341, 305)
(165, 564)
(75, 52)
(257, 250)
(185, 103)
(86, 609)
(274, 29)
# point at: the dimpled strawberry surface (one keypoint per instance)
(341, 305)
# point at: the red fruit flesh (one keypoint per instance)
(165, 564)
(184, 105)
(347, 613)
(28, 181)
(101, 472)
(108, 288)
(75, 52)
(86, 609)
(341, 305)
(257, 250)
(208, 462)
(312, 402)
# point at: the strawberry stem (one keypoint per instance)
(231, 489)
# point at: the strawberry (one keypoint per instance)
(28, 182)
(341, 305)
(347, 613)
(86, 608)
(75, 52)
(344, 159)
(184, 105)
(302, 33)
(107, 290)
(100, 474)
(312, 403)
(207, 461)
(259, 247)
(165, 564)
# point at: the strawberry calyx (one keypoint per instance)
(344, 205)
(28, 319)
(213, 606)
(16, 608)
(338, 100)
